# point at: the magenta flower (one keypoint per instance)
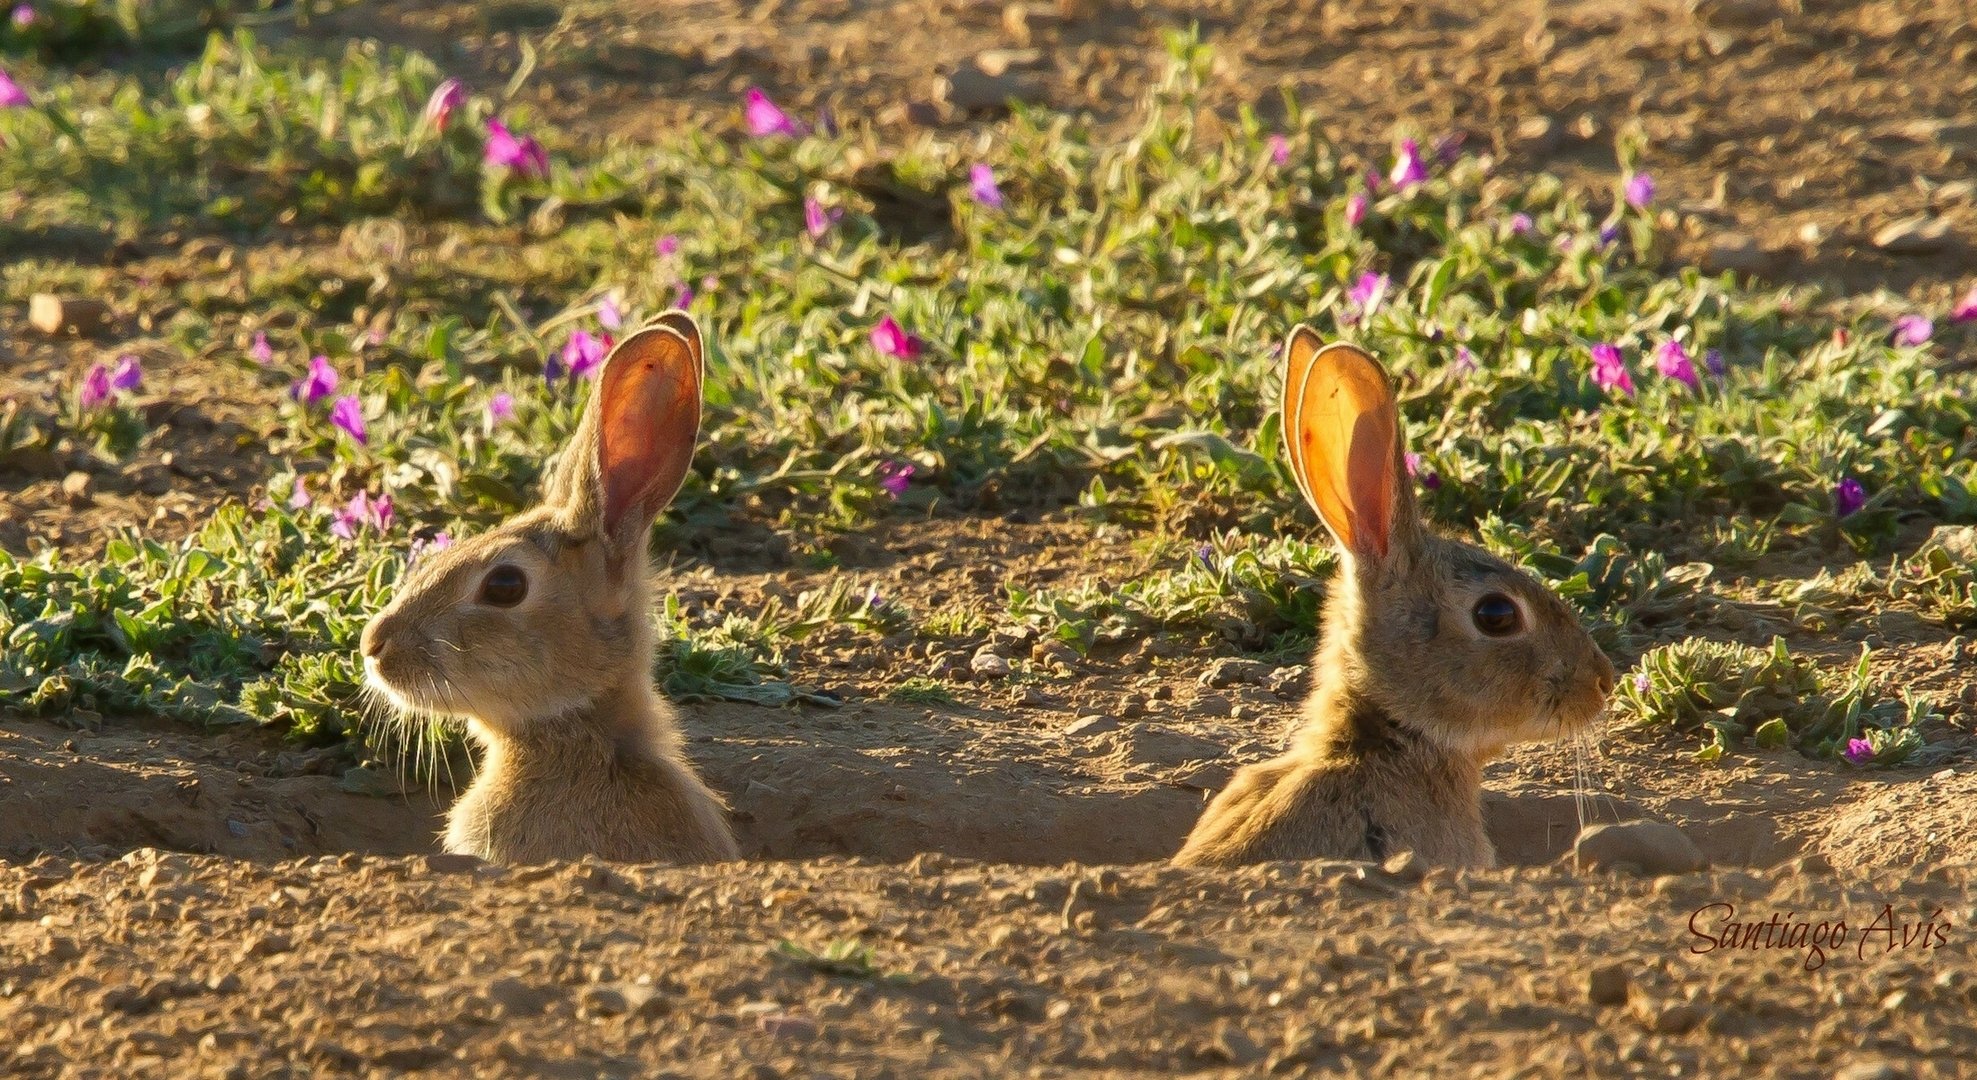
(316, 384)
(1610, 370)
(500, 408)
(1858, 752)
(608, 315)
(683, 297)
(1521, 223)
(23, 15)
(262, 352)
(1431, 481)
(981, 186)
(1280, 151)
(1640, 190)
(1364, 298)
(360, 513)
(667, 246)
(347, 412)
(524, 157)
(11, 94)
(818, 219)
(1914, 330)
(446, 98)
(584, 352)
(890, 339)
(1409, 170)
(421, 545)
(1608, 234)
(1713, 360)
(1642, 682)
(1465, 361)
(298, 496)
(128, 375)
(1355, 209)
(95, 391)
(895, 477)
(765, 118)
(1848, 497)
(1966, 308)
(1672, 361)
(1449, 147)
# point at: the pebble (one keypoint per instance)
(1869, 1070)
(1212, 705)
(75, 487)
(1230, 671)
(1737, 253)
(449, 863)
(1095, 724)
(1607, 985)
(972, 89)
(1913, 236)
(1405, 866)
(517, 998)
(989, 665)
(1651, 848)
(53, 314)
(1287, 682)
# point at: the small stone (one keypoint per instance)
(1746, 13)
(517, 998)
(1913, 236)
(267, 945)
(1651, 848)
(75, 488)
(1812, 864)
(1230, 671)
(53, 314)
(1132, 707)
(989, 665)
(1095, 724)
(1607, 985)
(1052, 651)
(1213, 705)
(604, 1001)
(1737, 253)
(1870, 1070)
(451, 863)
(1405, 866)
(972, 89)
(1287, 682)
(1678, 1018)
(782, 1025)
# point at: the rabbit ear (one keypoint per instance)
(631, 452)
(1342, 428)
(682, 324)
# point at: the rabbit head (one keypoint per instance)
(1448, 639)
(550, 612)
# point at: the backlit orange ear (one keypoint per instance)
(648, 423)
(1344, 429)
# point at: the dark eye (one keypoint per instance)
(1497, 616)
(504, 586)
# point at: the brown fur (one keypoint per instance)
(1411, 701)
(582, 755)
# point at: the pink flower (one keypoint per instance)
(818, 219)
(1914, 330)
(261, 351)
(500, 408)
(1849, 495)
(1673, 362)
(1520, 223)
(316, 384)
(1431, 481)
(1355, 209)
(765, 118)
(1409, 170)
(11, 94)
(447, 97)
(667, 246)
(524, 157)
(1280, 151)
(1364, 298)
(683, 298)
(298, 496)
(608, 315)
(1640, 190)
(895, 477)
(584, 352)
(1858, 752)
(95, 391)
(359, 513)
(1610, 370)
(1966, 308)
(1465, 361)
(23, 15)
(347, 412)
(421, 545)
(981, 186)
(890, 339)
(128, 375)
(1448, 148)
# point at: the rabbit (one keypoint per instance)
(538, 633)
(1435, 655)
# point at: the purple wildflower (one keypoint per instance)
(891, 339)
(500, 408)
(981, 186)
(1521, 223)
(1355, 209)
(262, 352)
(765, 118)
(584, 352)
(1610, 370)
(1914, 330)
(1206, 555)
(316, 384)
(608, 314)
(1858, 752)
(1673, 362)
(1431, 481)
(683, 297)
(1640, 190)
(438, 541)
(667, 246)
(298, 496)
(1966, 308)
(1465, 361)
(1608, 234)
(818, 219)
(1642, 682)
(347, 412)
(524, 156)
(95, 391)
(23, 15)
(359, 513)
(1409, 170)
(1280, 151)
(128, 374)
(11, 94)
(446, 98)
(1449, 147)
(1713, 360)
(1363, 299)
(895, 477)
(1848, 497)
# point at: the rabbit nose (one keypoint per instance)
(1605, 682)
(372, 642)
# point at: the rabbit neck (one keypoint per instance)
(1347, 723)
(628, 719)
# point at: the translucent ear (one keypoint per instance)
(644, 420)
(1342, 428)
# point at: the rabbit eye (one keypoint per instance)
(504, 586)
(1496, 615)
